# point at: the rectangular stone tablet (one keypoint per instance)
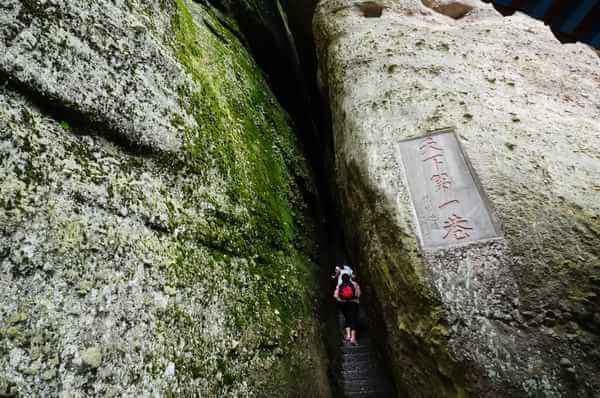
(450, 206)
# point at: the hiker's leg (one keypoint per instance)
(342, 315)
(348, 319)
(353, 321)
(346, 315)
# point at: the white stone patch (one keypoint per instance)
(170, 370)
(449, 204)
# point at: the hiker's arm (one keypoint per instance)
(357, 288)
(335, 293)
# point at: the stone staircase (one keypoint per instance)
(360, 373)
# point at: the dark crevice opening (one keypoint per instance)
(335, 233)
(283, 45)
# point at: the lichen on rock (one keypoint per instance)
(155, 239)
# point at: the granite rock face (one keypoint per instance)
(513, 316)
(154, 239)
(98, 61)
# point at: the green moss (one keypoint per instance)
(240, 132)
(244, 240)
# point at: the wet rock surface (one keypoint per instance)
(153, 229)
(494, 318)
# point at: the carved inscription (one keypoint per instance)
(449, 205)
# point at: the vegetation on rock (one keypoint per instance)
(155, 237)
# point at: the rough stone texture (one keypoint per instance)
(97, 60)
(153, 232)
(516, 316)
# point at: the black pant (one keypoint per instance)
(350, 311)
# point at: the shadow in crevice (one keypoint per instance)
(332, 240)
(281, 40)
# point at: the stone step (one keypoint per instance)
(359, 374)
(357, 387)
(356, 363)
(371, 376)
(370, 384)
(357, 366)
(369, 394)
(348, 349)
(357, 356)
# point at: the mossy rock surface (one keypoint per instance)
(155, 237)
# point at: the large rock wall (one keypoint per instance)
(514, 316)
(153, 231)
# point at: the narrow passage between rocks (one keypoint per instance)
(359, 370)
(355, 371)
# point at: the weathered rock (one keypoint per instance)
(267, 31)
(48, 375)
(524, 109)
(97, 63)
(150, 206)
(92, 357)
(33, 369)
(170, 370)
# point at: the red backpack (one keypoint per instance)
(346, 291)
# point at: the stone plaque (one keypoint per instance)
(449, 204)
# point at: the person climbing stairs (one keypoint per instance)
(359, 371)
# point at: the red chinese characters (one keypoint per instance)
(456, 227)
(442, 181)
(432, 152)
